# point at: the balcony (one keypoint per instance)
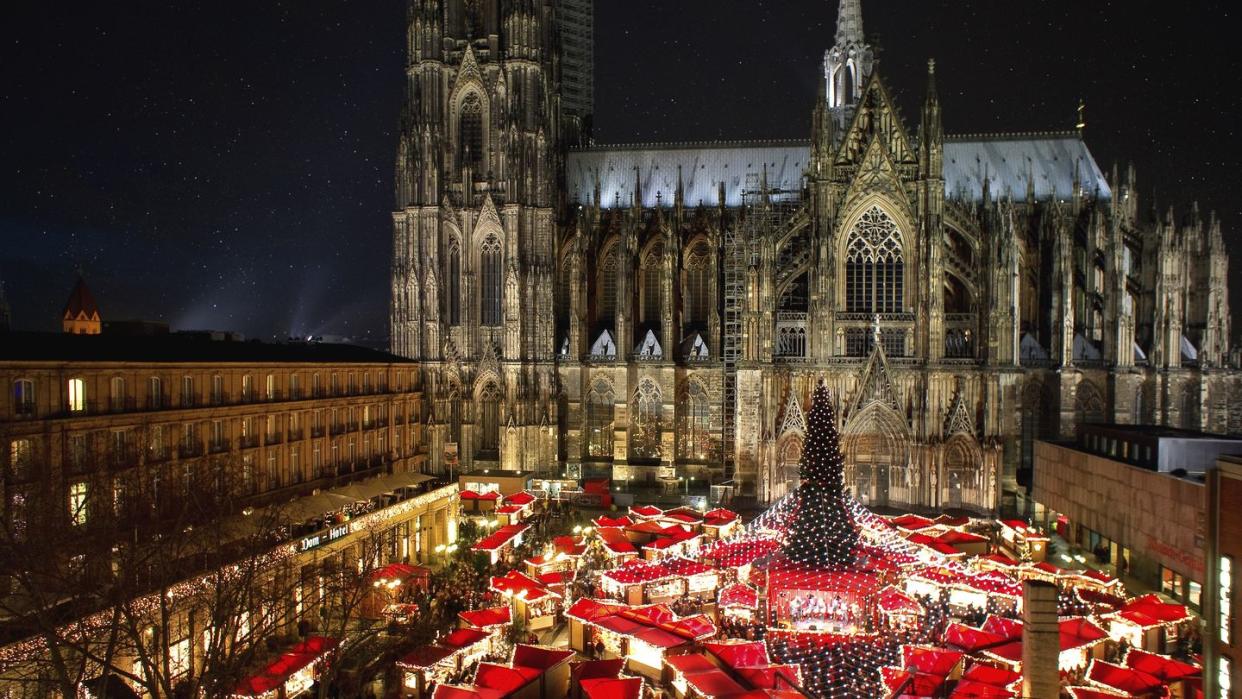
(158, 401)
(190, 451)
(218, 446)
(271, 438)
(190, 400)
(248, 442)
(296, 435)
(122, 404)
(854, 317)
(25, 409)
(317, 432)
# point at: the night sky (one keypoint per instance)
(229, 165)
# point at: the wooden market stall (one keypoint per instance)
(293, 673)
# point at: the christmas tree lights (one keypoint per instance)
(822, 531)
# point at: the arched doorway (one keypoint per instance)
(876, 445)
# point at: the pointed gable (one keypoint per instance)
(959, 420)
(795, 420)
(876, 385)
(876, 119)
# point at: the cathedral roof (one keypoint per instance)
(81, 302)
(704, 167)
(1049, 160)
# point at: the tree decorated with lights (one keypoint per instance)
(822, 531)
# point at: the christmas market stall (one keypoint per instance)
(1147, 622)
(643, 582)
(1022, 541)
(475, 503)
(391, 587)
(899, 610)
(500, 541)
(1182, 679)
(739, 601)
(642, 635)
(559, 556)
(534, 603)
(293, 673)
(517, 507)
(436, 663)
(1081, 641)
(602, 679)
(720, 524)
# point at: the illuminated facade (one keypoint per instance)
(658, 311)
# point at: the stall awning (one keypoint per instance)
(1122, 678)
(463, 638)
(274, 676)
(425, 657)
(504, 678)
(739, 595)
(612, 688)
(523, 498)
(500, 537)
(540, 657)
(1160, 666)
(400, 571)
(740, 654)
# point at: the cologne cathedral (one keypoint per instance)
(659, 312)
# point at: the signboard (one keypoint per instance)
(320, 538)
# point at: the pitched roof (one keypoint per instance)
(80, 302)
(180, 348)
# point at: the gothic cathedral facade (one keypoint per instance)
(660, 312)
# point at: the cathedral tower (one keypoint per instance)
(474, 226)
(847, 65)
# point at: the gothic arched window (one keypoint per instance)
(696, 435)
(470, 133)
(698, 285)
(489, 262)
(489, 418)
(652, 282)
(599, 409)
(645, 433)
(874, 266)
(452, 285)
(608, 286)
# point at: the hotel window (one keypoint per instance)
(366, 382)
(77, 451)
(295, 386)
(77, 503)
(247, 387)
(1225, 593)
(217, 389)
(23, 398)
(187, 390)
(335, 384)
(116, 393)
(270, 387)
(352, 383)
(317, 460)
(295, 463)
(77, 395)
(155, 393)
(19, 457)
(217, 435)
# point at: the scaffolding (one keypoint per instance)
(764, 211)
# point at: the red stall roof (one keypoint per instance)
(739, 595)
(990, 674)
(483, 618)
(504, 678)
(933, 661)
(911, 522)
(1153, 607)
(612, 688)
(605, 521)
(400, 571)
(1123, 678)
(425, 656)
(595, 669)
(967, 689)
(912, 684)
(523, 498)
(646, 511)
(539, 657)
(448, 691)
(280, 670)
(521, 585)
(1161, 666)
(893, 601)
(970, 639)
(463, 638)
(1093, 693)
(740, 653)
(735, 554)
(500, 537)
(616, 541)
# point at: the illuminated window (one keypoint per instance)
(696, 436)
(269, 387)
(874, 266)
(1224, 677)
(247, 387)
(19, 456)
(77, 395)
(489, 259)
(1225, 593)
(23, 397)
(77, 503)
(599, 420)
(646, 430)
(452, 285)
(116, 393)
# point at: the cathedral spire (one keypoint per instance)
(847, 65)
(849, 23)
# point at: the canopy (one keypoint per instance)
(274, 676)
(523, 498)
(448, 691)
(970, 639)
(400, 571)
(504, 678)
(588, 669)
(990, 674)
(911, 522)
(714, 683)
(1077, 632)
(523, 586)
(483, 618)
(893, 601)
(605, 521)
(968, 689)
(904, 683)
(933, 661)
(1153, 607)
(1122, 678)
(646, 511)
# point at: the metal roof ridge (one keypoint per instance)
(750, 143)
(1011, 135)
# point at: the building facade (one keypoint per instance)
(660, 311)
(310, 457)
(1224, 550)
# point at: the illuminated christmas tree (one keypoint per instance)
(822, 531)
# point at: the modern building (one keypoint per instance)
(1224, 552)
(659, 311)
(1133, 497)
(314, 449)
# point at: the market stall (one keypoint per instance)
(533, 602)
(720, 524)
(1147, 622)
(642, 582)
(391, 587)
(500, 541)
(436, 663)
(293, 673)
(1022, 541)
(474, 503)
(642, 635)
(739, 601)
(898, 609)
